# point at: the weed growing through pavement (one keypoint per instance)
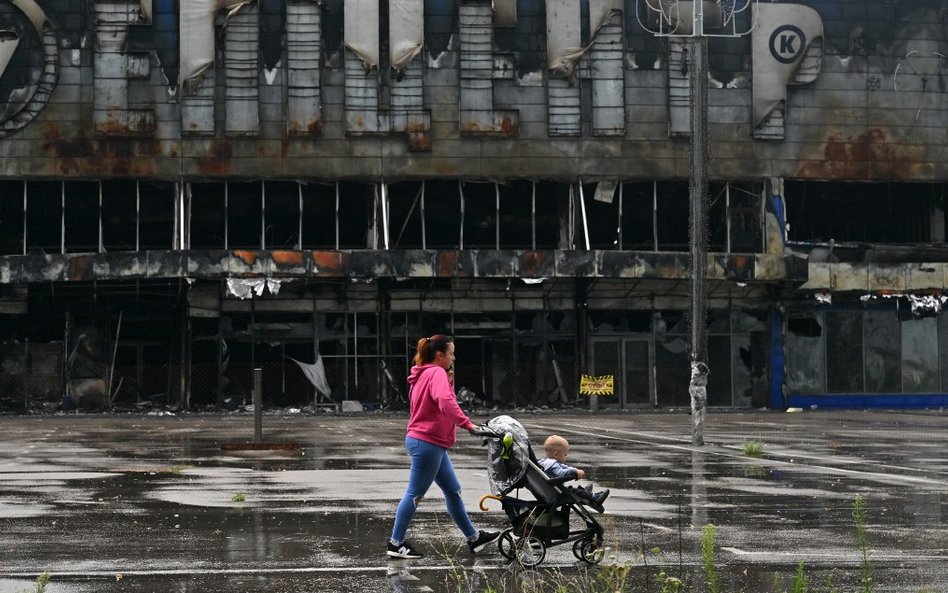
(708, 540)
(238, 497)
(862, 539)
(40, 585)
(753, 448)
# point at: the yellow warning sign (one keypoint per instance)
(601, 385)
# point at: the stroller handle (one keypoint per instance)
(485, 431)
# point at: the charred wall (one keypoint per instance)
(112, 99)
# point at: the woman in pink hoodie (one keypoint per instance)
(433, 417)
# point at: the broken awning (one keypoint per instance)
(563, 30)
(563, 36)
(406, 30)
(197, 37)
(362, 30)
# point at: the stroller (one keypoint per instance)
(544, 522)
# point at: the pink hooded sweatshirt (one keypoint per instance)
(434, 409)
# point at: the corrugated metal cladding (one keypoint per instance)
(189, 189)
(844, 104)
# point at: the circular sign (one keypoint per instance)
(28, 63)
(787, 43)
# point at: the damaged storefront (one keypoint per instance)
(190, 191)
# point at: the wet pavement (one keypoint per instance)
(154, 503)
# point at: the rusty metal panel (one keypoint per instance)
(248, 262)
(241, 59)
(408, 114)
(330, 263)
(477, 114)
(303, 47)
(465, 264)
(112, 69)
(197, 108)
(608, 79)
(288, 262)
(536, 264)
(362, 97)
(446, 263)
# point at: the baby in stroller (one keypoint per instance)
(557, 450)
(544, 519)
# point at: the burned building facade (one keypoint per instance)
(190, 190)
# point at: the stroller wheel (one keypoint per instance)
(591, 551)
(506, 545)
(578, 547)
(530, 551)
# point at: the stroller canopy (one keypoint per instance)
(507, 458)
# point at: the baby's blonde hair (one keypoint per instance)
(555, 444)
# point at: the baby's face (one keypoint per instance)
(562, 453)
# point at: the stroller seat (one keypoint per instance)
(545, 521)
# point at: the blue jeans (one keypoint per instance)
(430, 463)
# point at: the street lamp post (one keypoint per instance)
(669, 24)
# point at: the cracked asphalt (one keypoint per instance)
(157, 503)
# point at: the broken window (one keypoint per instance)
(943, 346)
(272, 32)
(521, 40)
(866, 212)
(119, 215)
(406, 202)
(881, 335)
(319, 216)
(602, 214)
(517, 215)
(920, 355)
(480, 215)
(11, 217)
(552, 203)
(208, 216)
(156, 214)
(244, 212)
(441, 17)
(673, 207)
(805, 350)
(442, 214)
(638, 211)
(282, 215)
(356, 204)
(82, 216)
(745, 218)
(844, 351)
(44, 216)
(645, 52)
